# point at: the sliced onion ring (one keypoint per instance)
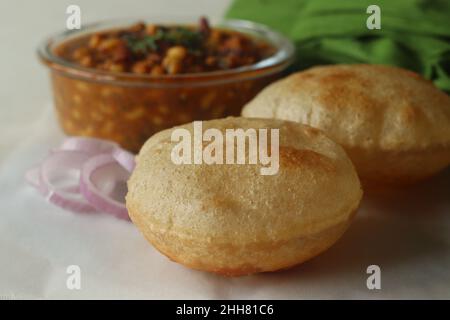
(32, 176)
(91, 191)
(124, 158)
(64, 167)
(92, 146)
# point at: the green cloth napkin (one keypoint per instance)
(415, 34)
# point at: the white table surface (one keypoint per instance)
(407, 235)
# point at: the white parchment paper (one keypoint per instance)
(406, 234)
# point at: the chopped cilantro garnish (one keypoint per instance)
(188, 38)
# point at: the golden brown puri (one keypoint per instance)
(230, 219)
(394, 125)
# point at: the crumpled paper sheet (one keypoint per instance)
(406, 234)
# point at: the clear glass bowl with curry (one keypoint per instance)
(125, 81)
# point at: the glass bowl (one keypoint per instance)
(128, 108)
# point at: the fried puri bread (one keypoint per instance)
(394, 125)
(232, 220)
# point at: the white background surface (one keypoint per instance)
(406, 234)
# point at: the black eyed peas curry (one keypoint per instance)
(143, 93)
(158, 50)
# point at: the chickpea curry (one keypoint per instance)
(158, 49)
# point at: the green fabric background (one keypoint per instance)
(415, 34)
